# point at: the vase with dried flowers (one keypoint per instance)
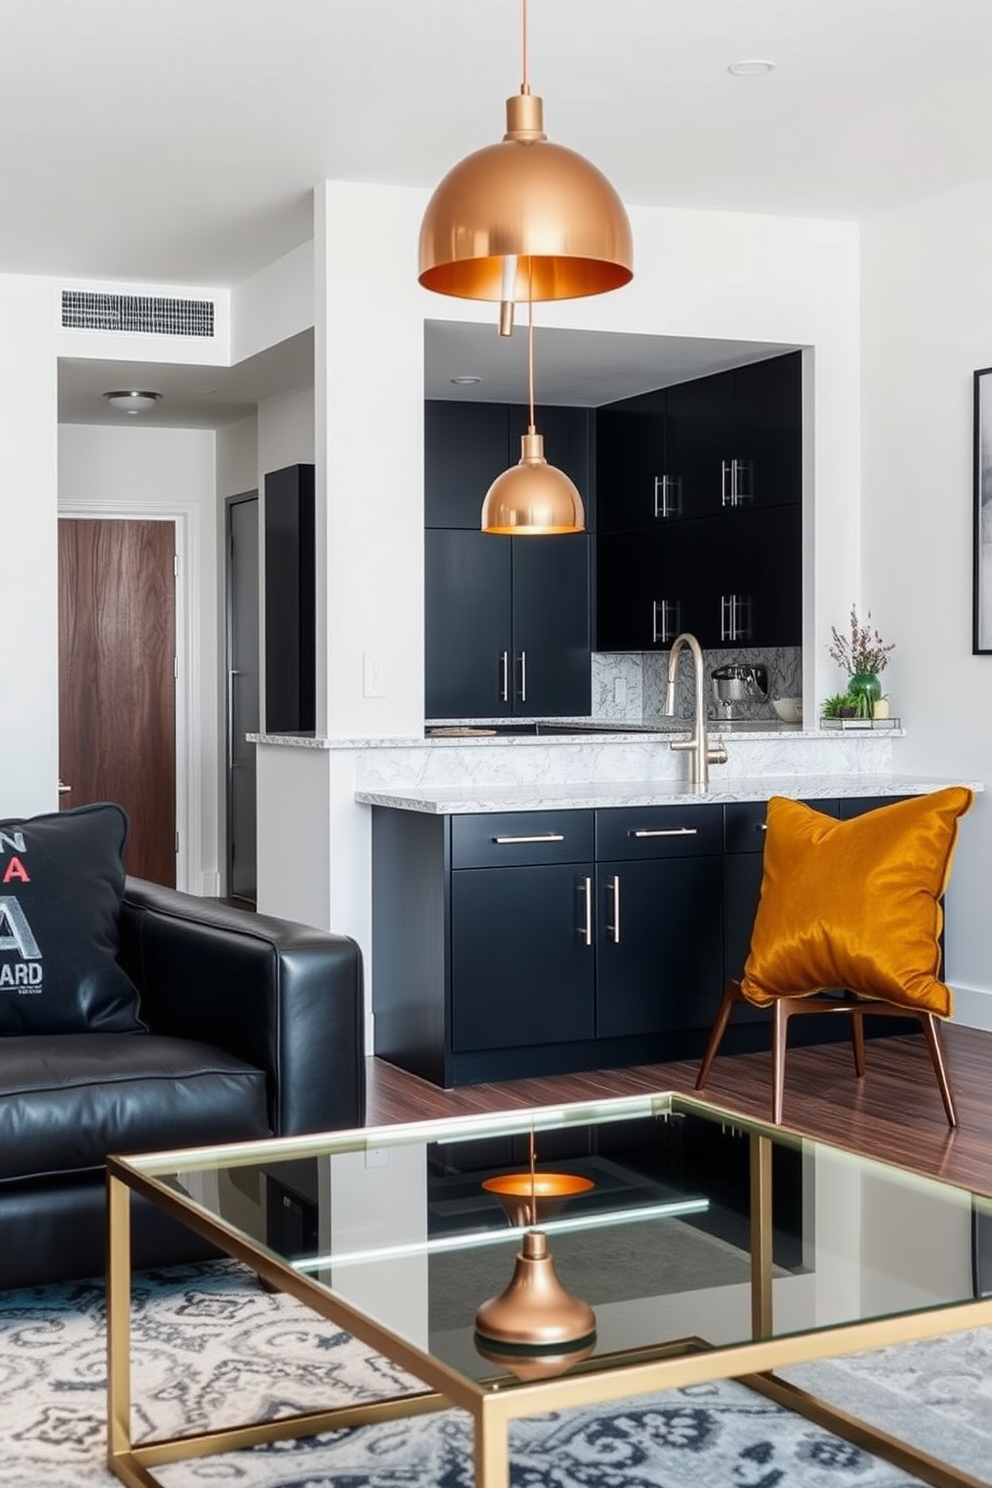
(863, 654)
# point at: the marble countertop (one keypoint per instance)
(611, 734)
(542, 796)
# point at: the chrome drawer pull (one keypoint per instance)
(544, 837)
(665, 832)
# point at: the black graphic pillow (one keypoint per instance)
(61, 883)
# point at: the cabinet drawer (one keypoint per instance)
(744, 823)
(509, 838)
(658, 831)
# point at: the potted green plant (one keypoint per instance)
(863, 654)
(840, 705)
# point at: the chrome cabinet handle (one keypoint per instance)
(63, 788)
(726, 496)
(544, 837)
(664, 832)
(587, 928)
(667, 496)
(523, 676)
(669, 611)
(614, 929)
(504, 691)
(735, 617)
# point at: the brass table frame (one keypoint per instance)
(492, 1407)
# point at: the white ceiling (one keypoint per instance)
(179, 143)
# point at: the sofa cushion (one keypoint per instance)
(69, 1100)
(61, 884)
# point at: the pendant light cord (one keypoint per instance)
(525, 81)
(530, 352)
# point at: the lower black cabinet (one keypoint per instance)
(531, 943)
(521, 970)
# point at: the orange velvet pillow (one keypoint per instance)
(855, 904)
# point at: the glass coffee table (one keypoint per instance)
(686, 1244)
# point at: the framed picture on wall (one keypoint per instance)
(982, 582)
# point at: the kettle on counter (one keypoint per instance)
(739, 683)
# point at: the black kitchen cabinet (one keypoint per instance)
(658, 930)
(465, 448)
(537, 942)
(638, 490)
(733, 581)
(521, 971)
(290, 621)
(467, 445)
(699, 512)
(507, 620)
(506, 625)
(734, 440)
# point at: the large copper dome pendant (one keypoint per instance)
(528, 199)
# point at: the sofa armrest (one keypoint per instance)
(284, 997)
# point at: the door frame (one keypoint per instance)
(189, 720)
(252, 494)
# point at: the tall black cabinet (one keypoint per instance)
(507, 620)
(290, 601)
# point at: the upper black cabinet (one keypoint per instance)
(465, 448)
(507, 619)
(728, 442)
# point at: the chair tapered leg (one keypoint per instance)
(931, 1030)
(731, 995)
(780, 1024)
(858, 1041)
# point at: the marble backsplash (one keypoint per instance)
(640, 698)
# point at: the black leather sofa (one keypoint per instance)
(255, 1027)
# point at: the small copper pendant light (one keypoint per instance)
(532, 498)
(535, 1313)
(524, 211)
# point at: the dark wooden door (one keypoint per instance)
(117, 691)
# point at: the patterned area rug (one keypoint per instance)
(212, 1348)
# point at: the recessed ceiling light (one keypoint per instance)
(465, 381)
(751, 67)
(132, 400)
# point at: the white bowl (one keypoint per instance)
(790, 710)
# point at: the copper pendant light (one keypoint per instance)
(532, 498)
(524, 211)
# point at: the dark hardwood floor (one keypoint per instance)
(894, 1113)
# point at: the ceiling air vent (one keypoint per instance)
(153, 314)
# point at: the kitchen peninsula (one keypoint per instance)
(542, 904)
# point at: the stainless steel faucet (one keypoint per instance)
(702, 755)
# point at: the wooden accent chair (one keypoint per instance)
(855, 1007)
(854, 904)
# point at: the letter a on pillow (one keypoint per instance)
(855, 904)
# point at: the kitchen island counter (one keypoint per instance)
(456, 800)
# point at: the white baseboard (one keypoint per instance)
(973, 1007)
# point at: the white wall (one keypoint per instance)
(28, 551)
(697, 274)
(926, 326)
(170, 473)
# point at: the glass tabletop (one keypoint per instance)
(669, 1223)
